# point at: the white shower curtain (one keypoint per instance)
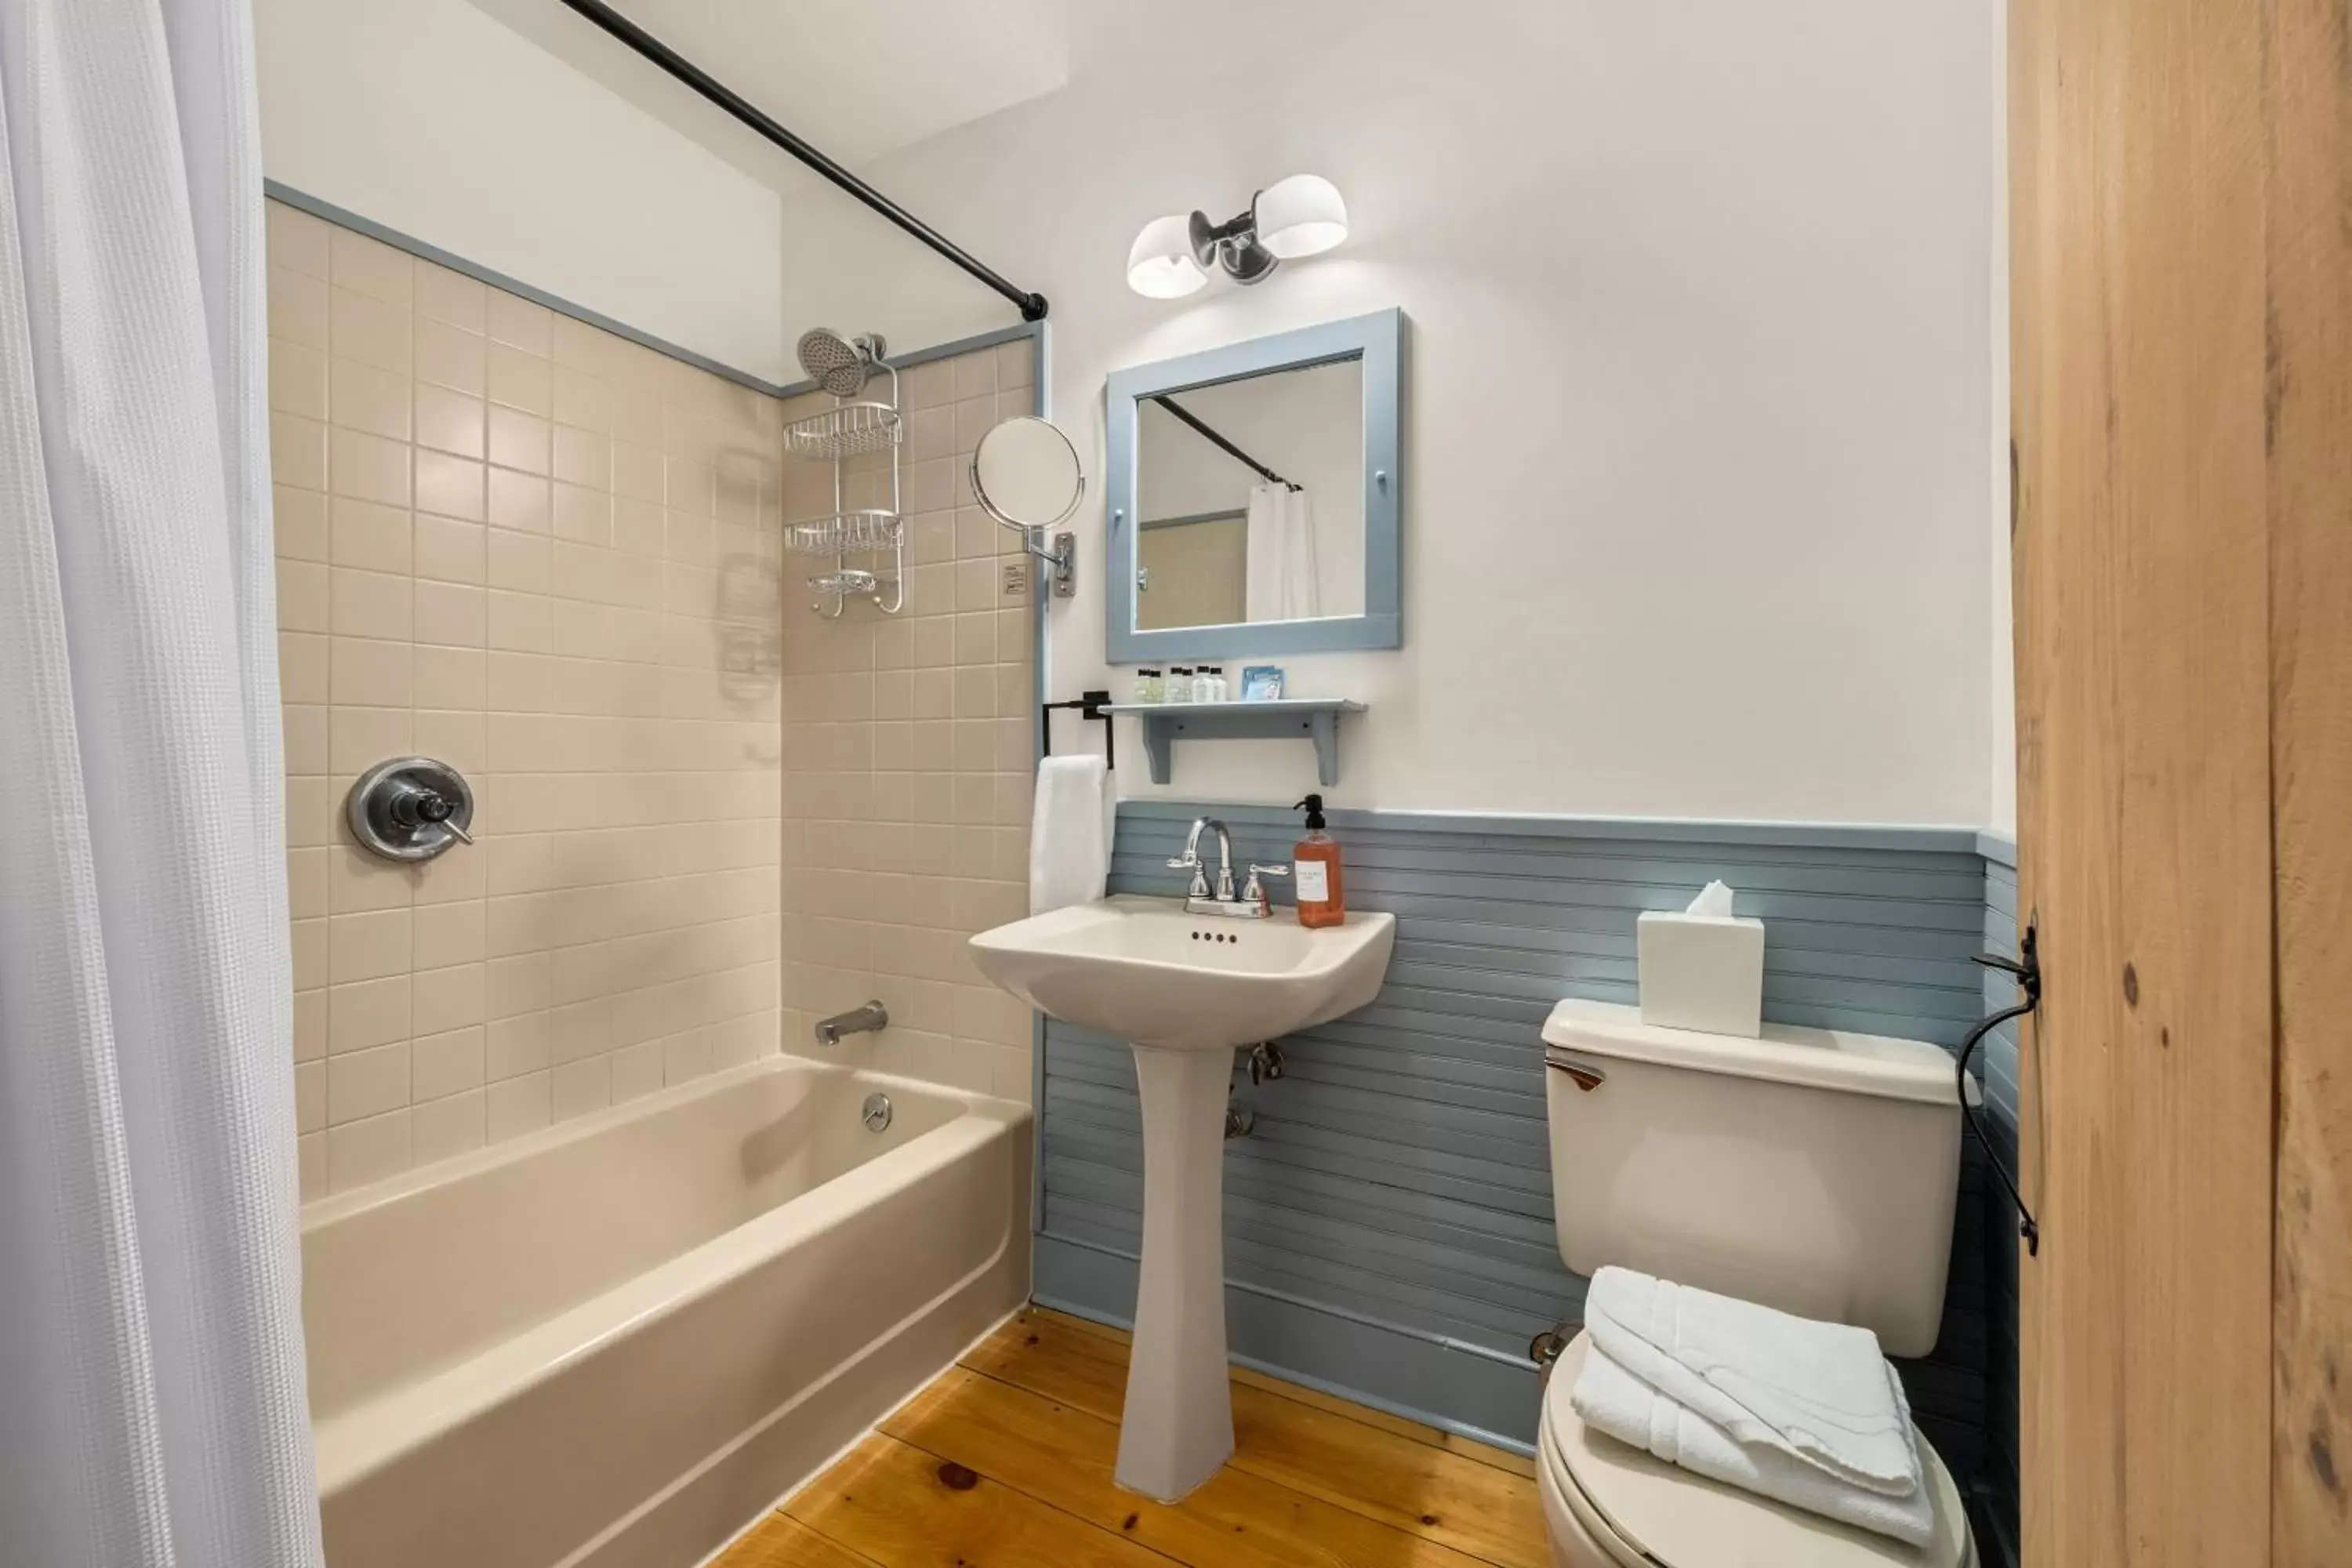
(1284, 578)
(151, 1401)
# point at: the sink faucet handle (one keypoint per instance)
(1189, 861)
(1252, 893)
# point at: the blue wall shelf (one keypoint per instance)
(1315, 717)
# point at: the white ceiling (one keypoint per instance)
(862, 80)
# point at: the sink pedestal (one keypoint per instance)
(1178, 1427)
(1188, 991)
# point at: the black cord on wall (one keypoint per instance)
(2028, 971)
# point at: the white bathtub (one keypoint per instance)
(614, 1343)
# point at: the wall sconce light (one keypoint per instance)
(1301, 216)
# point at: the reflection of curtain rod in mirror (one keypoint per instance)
(1211, 435)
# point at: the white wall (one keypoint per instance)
(431, 117)
(1701, 328)
(2001, 812)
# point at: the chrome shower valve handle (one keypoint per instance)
(410, 808)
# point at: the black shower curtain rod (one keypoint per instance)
(1032, 305)
(1214, 439)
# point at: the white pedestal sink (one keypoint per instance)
(1186, 990)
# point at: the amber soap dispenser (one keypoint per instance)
(1322, 898)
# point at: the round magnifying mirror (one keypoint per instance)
(1026, 473)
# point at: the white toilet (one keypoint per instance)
(1810, 1170)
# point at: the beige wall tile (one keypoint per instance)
(521, 324)
(906, 779)
(370, 331)
(369, 266)
(370, 536)
(444, 1128)
(366, 1083)
(361, 397)
(297, 451)
(449, 486)
(359, 1153)
(447, 1064)
(298, 240)
(448, 421)
(531, 520)
(359, 738)
(518, 439)
(518, 500)
(369, 946)
(520, 380)
(297, 308)
(447, 549)
(454, 613)
(375, 674)
(451, 297)
(451, 357)
(303, 596)
(298, 380)
(300, 521)
(372, 1013)
(370, 603)
(577, 1088)
(367, 467)
(515, 1106)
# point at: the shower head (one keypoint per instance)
(838, 364)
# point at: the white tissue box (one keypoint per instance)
(1702, 971)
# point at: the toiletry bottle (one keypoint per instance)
(1179, 685)
(1205, 684)
(1322, 899)
(1143, 683)
(1220, 692)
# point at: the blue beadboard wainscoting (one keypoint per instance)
(1389, 1225)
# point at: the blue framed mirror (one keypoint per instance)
(1253, 493)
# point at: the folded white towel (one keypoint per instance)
(1819, 1393)
(1612, 1400)
(1070, 833)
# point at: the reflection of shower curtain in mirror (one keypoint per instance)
(1284, 583)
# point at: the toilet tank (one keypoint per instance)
(1810, 1170)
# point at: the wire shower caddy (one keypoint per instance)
(853, 427)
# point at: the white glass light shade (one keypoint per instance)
(1160, 264)
(1301, 216)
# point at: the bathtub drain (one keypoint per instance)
(877, 1112)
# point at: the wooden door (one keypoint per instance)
(2183, 560)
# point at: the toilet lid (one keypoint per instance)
(1681, 1520)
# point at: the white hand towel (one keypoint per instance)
(1612, 1400)
(1819, 1393)
(1070, 833)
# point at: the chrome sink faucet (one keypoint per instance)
(1251, 904)
(1191, 861)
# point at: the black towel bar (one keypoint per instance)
(1092, 705)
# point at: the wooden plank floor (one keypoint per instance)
(1005, 1461)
